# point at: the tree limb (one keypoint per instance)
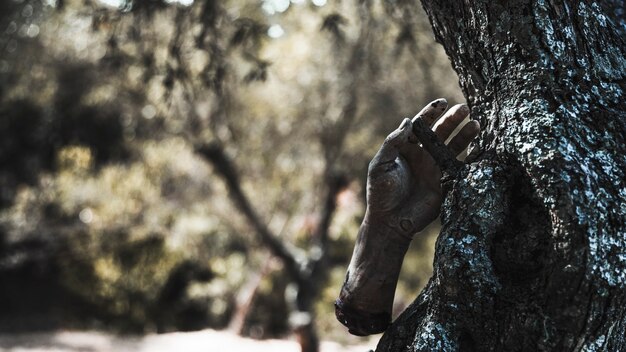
(336, 183)
(436, 148)
(225, 168)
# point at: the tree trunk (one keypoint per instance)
(532, 251)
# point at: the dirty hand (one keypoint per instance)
(403, 197)
(403, 183)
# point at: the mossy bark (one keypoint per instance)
(532, 251)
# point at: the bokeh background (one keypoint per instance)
(127, 127)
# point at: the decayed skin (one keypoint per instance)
(403, 197)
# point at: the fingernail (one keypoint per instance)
(475, 126)
(439, 103)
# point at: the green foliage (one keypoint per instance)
(110, 252)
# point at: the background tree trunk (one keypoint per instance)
(532, 251)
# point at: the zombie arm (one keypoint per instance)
(403, 197)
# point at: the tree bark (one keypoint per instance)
(532, 251)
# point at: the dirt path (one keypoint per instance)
(200, 341)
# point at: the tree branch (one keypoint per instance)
(336, 183)
(225, 168)
(436, 148)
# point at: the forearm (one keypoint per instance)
(366, 298)
(403, 197)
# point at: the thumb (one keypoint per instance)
(395, 141)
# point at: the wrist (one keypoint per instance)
(402, 226)
(366, 299)
(391, 230)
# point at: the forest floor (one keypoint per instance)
(200, 341)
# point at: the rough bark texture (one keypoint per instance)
(532, 251)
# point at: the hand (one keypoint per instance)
(403, 197)
(403, 185)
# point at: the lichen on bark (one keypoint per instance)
(531, 252)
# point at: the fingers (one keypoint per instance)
(402, 141)
(432, 111)
(450, 121)
(464, 137)
(429, 114)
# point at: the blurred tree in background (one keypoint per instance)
(123, 122)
